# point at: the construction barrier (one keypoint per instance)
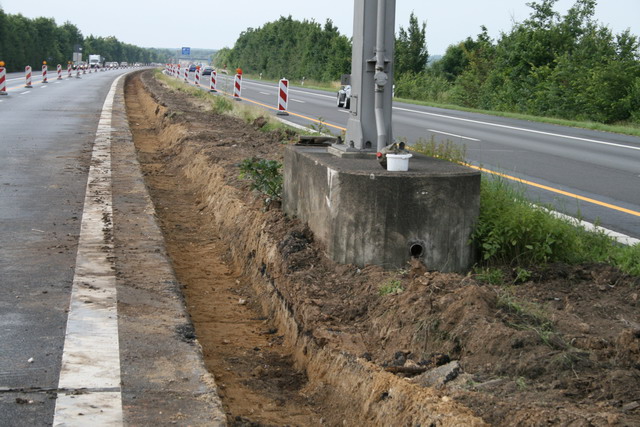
(78, 72)
(59, 69)
(3, 79)
(69, 69)
(237, 87)
(197, 77)
(186, 74)
(44, 73)
(178, 71)
(214, 81)
(283, 97)
(27, 76)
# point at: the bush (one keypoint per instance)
(265, 177)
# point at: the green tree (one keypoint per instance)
(411, 54)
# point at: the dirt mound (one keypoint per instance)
(560, 346)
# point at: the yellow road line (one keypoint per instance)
(555, 190)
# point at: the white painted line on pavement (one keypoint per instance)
(453, 135)
(266, 93)
(26, 92)
(91, 356)
(299, 101)
(595, 141)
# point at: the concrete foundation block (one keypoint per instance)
(367, 215)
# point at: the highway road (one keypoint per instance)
(587, 174)
(77, 229)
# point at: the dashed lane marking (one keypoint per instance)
(91, 356)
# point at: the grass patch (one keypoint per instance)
(221, 104)
(513, 232)
(447, 150)
(392, 287)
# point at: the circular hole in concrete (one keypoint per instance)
(367, 144)
(416, 250)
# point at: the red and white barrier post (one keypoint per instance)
(197, 77)
(237, 87)
(283, 97)
(27, 76)
(69, 69)
(186, 74)
(214, 81)
(44, 72)
(178, 71)
(3, 79)
(59, 69)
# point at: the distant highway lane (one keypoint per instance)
(587, 174)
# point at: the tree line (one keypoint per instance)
(290, 48)
(25, 41)
(568, 67)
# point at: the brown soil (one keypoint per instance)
(295, 339)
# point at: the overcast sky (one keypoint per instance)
(215, 24)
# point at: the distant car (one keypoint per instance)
(206, 71)
(344, 97)
(192, 68)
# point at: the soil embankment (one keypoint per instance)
(293, 338)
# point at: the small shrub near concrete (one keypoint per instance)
(265, 177)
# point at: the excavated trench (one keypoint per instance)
(294, 339)
(270, 369)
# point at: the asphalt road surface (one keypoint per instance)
(587, 174)
(77, 229)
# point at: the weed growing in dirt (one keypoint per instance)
(392, 287)
(526, 315)
(221, 104)
(447, 150)
(265, 177)
(491, 275)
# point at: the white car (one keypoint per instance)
(344, 97)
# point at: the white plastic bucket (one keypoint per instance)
(398, 162)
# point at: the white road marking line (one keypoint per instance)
(91, 356)
(595, 141)
(24, 93)
(266, 93)
(453, 135)
(344, 111)
(299, 101)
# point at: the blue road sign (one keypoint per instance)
(186, 51)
